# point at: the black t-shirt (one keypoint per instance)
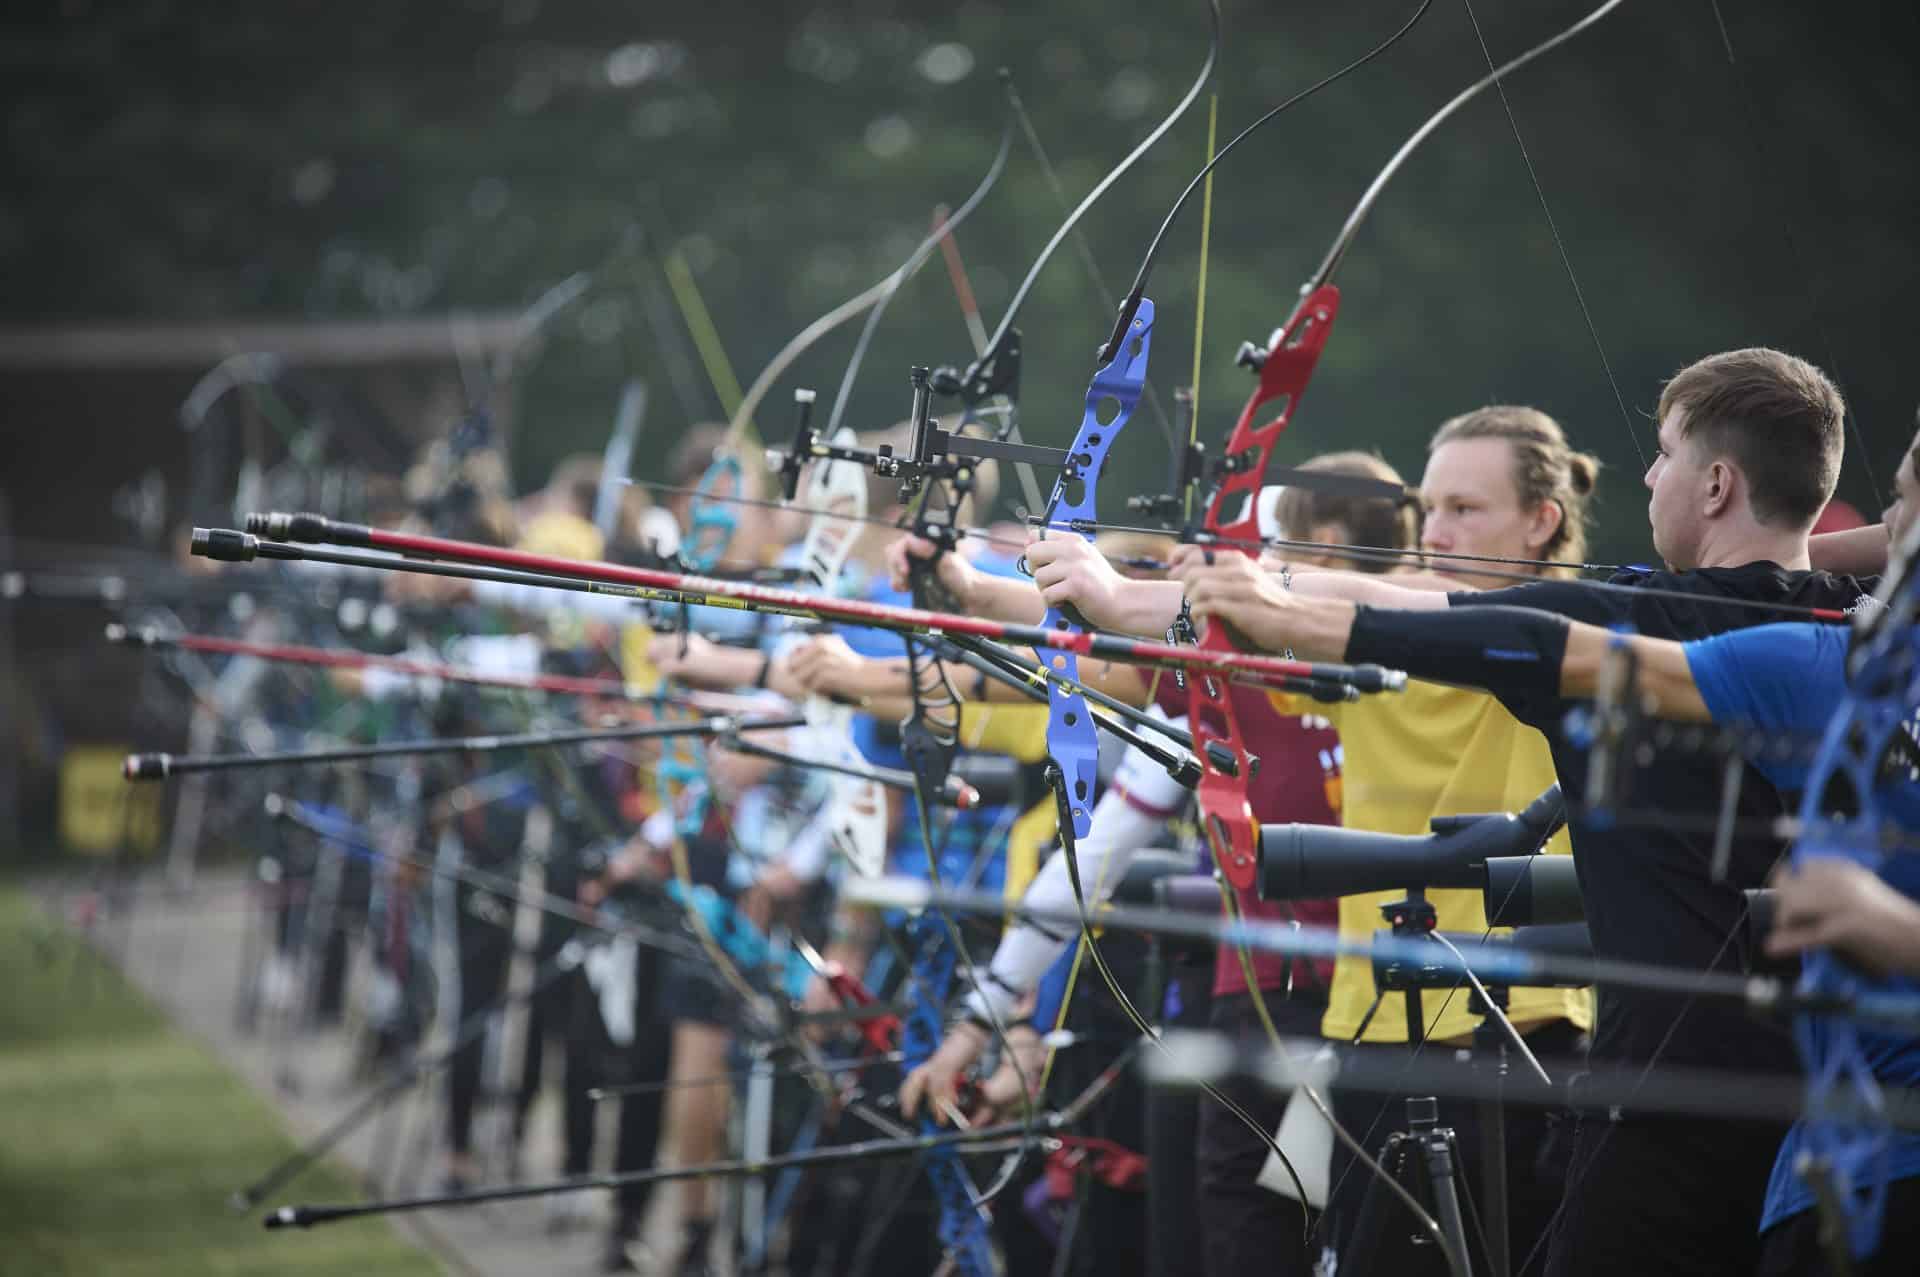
(1648, 888)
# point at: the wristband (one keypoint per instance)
(973, 1019)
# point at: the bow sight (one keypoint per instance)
(932, 452)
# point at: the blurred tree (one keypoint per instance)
(179, 161)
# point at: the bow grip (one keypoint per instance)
(929, 592)
(1227, 769)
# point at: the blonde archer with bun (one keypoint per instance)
(1546, 470)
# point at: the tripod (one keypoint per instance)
(1425, 1158)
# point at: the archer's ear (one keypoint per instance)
(1720, 483)
(1546, 521)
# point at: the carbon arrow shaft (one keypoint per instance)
(706, 591)
(347, 659)
(160, 766)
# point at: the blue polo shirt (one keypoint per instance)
(962, 838)
(1788, 678)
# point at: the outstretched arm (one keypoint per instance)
(1663, 678)
(1855, 552)
(1419, 592)
(1527, 653)
(1502, 649)
(825, 665)
(980, 593)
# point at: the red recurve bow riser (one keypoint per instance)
(1224, 809)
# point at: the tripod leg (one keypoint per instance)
(1363, 1245)
(1493, 1195)
(1437, 1148)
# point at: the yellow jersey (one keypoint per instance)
(1431, 751)
(1019, 731)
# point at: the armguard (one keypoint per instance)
(1506, 650)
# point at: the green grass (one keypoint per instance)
(120, 1139)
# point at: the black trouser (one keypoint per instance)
(349, 913)
(484, 951)
(1247, 1228)
(564, 1012)
(646, 1061)
(1791, 1248)
(1536, 1154)
(1174, 1234)
(547, 1015)
(1664, 1197)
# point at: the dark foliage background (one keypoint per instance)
(179, 161)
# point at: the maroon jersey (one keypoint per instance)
(1298, 781)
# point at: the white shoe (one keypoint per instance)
(278, 983)
(568, 1212)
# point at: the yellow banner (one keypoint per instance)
(100, 813)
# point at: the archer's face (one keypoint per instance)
(1472, 507)
(1325, 534)
(1676, 479)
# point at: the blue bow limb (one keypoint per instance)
(964, 1228)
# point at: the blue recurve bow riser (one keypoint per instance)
(1111, 398)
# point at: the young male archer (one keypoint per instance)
(1749, 451)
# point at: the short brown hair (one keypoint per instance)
(1778, 417)
(1545, 468)
(1368, 521)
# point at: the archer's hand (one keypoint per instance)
(937, 1082)
(825, 666)
(734, 773)
(423, 590)
(1016, 1082)
(1831, 903)
(961, 578)
(638, 859)
(1068, 569)
(819, 999)
(681, 656)
(771, 896)
(1237, 590)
